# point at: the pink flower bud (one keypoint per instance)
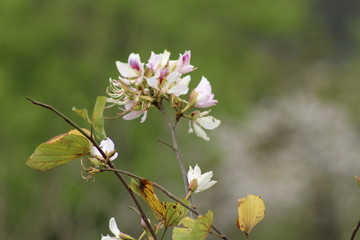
(203, 95)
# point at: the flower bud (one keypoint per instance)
(193, 186)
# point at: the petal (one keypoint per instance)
(190, 126)
(165, 57)
(208, 122)
(190, 174)
(172, 78)
(114, 156)
(200, 132)
(132, 115)
(181, 88)
(206, 186)
(107, 145)
(144, 117)
(134, 61)
(205, 178)
(125, 70)
(204, 86)
(95, 152)
(113, 227)
(107, 237)
(153, 82)
(197, 171)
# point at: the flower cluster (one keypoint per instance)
(142, 86)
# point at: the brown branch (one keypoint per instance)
(175, 146)
(110, 164)
(354, 231)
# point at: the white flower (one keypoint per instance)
(107, 145)
(203, 95)
(131, 72)
(204, 181)
(200, 121)
(114, 229)
(177, 85)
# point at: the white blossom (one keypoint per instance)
(107, 146)
(204, 181)
(114, 229)
(200, 121)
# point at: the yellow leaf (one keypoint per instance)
(147, 192)
(251, 210)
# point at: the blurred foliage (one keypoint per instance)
(63, 53)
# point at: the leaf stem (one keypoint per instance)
(110, 164)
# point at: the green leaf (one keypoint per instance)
(83, 113)
(97, 121)
(135, 187)
(193, 229)
(98, 117)
(174, 212)
(58, 151)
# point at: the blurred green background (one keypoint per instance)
(257, 55)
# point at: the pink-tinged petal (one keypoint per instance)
(134, 61)
(158, 60)
(186, 58)
(152, 61)
(114, 228)
(186, 69)
(183, 64)
(125, 70)
(144, 117)
(205, 98)
(132, 115)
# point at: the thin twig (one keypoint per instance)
(169, 194)
(354, 231)
(110, 164)
(166, 144)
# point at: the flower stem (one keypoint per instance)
(175, 146)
